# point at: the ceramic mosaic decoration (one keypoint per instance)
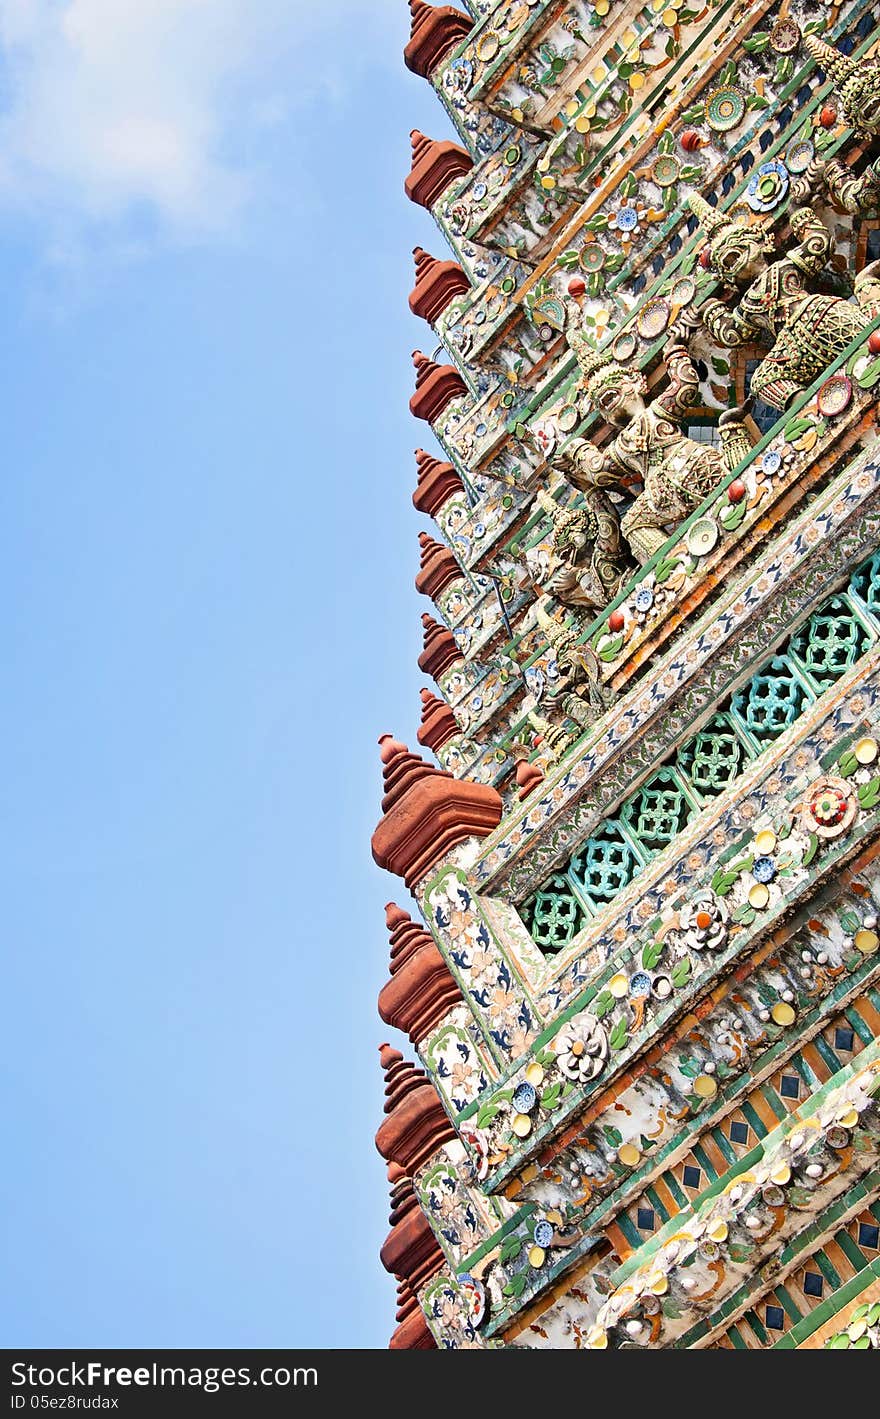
(640, 970)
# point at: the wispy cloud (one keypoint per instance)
(120, 115)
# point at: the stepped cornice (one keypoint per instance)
(435, 30)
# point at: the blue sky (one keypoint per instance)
(208, 617)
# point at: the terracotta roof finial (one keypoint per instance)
(436, 387)
(437, 567)
(438, 722)
(437, 283)
(439, 648)
(434, 166)
(426, 813)
(436, 483)
(416, 1123)
(421, 989)
(435, 30)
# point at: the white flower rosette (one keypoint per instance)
(704, 922)
(582, 1048)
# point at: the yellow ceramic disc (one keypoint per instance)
(850, 1118)
(522, 1125)
(602, 7)
(548, 182)
(556, 1218)
(718, 1231)
(866, 751)
(618, 985)
(782, 1013)
(571, 108)
(535, 1074)
(866, 941)
(857, 1329)
(517, 115)
(705, 1086)
(637, 81)
(537, 1257)
(670, 17)
(597, 1338)
(780, 1174)
(765, 842)
(582, 124)
(598, 74)
(659, 1283)
(759, 896)
(629, 1155)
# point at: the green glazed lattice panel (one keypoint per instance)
(865, 584)
(605, 864)
(830, 643)
(771, 701)
(656, 814)
(714, 758)
(554, 915)
(823, 649)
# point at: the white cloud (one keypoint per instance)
(113, 110)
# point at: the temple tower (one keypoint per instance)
(636, 979)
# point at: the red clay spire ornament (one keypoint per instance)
(435, 31)
(436, 387)
(426, 813)
(439, 648)
(434, 166)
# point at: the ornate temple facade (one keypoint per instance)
(637, 984)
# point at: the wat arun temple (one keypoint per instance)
(632, 1089)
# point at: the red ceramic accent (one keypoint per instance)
(437, 568)
(438, 722)
(528, 776)
(439, 648)
(436, 483)
(706, 258)
(421, 989)
(411, 1253)
(416, 1124)
(413, 1334)
(434, 166)
(436, 386)
(691, 140)
(874, 342)
(617, 620)
(828, 116)
(437, 283)
(577, 287)
(704, 921)
(736, 490)
(426, 813)
(435, 31)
